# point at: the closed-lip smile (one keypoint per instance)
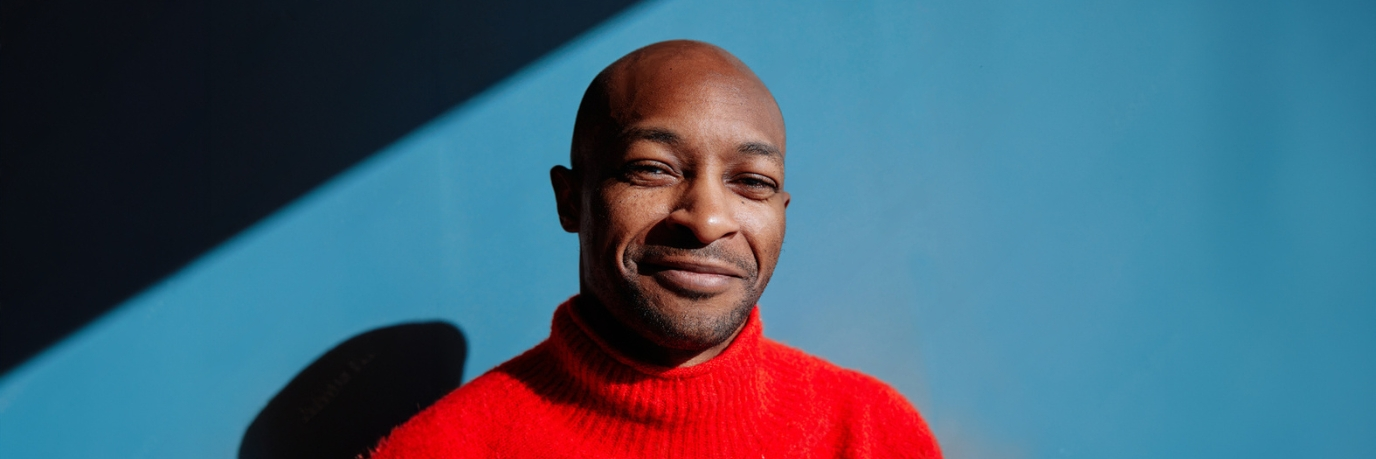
(692, 276)
(694, 266)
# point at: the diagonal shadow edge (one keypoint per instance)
(126, 162)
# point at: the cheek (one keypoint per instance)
(627, 214)
(764, 225)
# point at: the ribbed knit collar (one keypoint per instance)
(726, 392)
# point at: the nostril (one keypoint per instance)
(676, 232)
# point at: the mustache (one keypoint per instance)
(712, 252)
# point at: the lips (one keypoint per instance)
(696, 277)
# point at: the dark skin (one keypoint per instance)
(676, 193)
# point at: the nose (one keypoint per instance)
(704, 209)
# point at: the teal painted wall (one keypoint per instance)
(1062, 229)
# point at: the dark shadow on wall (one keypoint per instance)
(137, 135)
(351, 397)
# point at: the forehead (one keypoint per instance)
(703, 101)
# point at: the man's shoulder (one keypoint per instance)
(871, 411)
(481, 393)
(793, 363)
(459, 424)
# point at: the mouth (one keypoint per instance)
(692, 277)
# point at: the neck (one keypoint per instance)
(631, 344)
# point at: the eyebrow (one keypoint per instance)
(656, 135)
(760, 148)
(667, 137)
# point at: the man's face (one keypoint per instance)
(682, 213)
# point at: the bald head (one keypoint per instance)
(668, 72)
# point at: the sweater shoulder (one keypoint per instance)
(460, 423)
(862, 414)
(815, 370)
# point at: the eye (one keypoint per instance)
(648, 173)
(755, 186)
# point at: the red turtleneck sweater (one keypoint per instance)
(573, 396)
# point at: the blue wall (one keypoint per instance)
(1062, 229)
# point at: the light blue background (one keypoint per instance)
(1062, 229)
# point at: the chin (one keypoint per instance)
(691, 322)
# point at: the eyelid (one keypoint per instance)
(763, 189)
(754, 167)
(760, 177)
(647, 163)
(649, 172)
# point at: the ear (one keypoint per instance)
(567, 197)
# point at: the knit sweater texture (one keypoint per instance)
(574, 396)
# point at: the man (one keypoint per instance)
(677, 194)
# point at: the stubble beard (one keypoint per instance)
(696, 329)
(687, 330)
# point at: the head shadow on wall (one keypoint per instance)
(343, 403)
